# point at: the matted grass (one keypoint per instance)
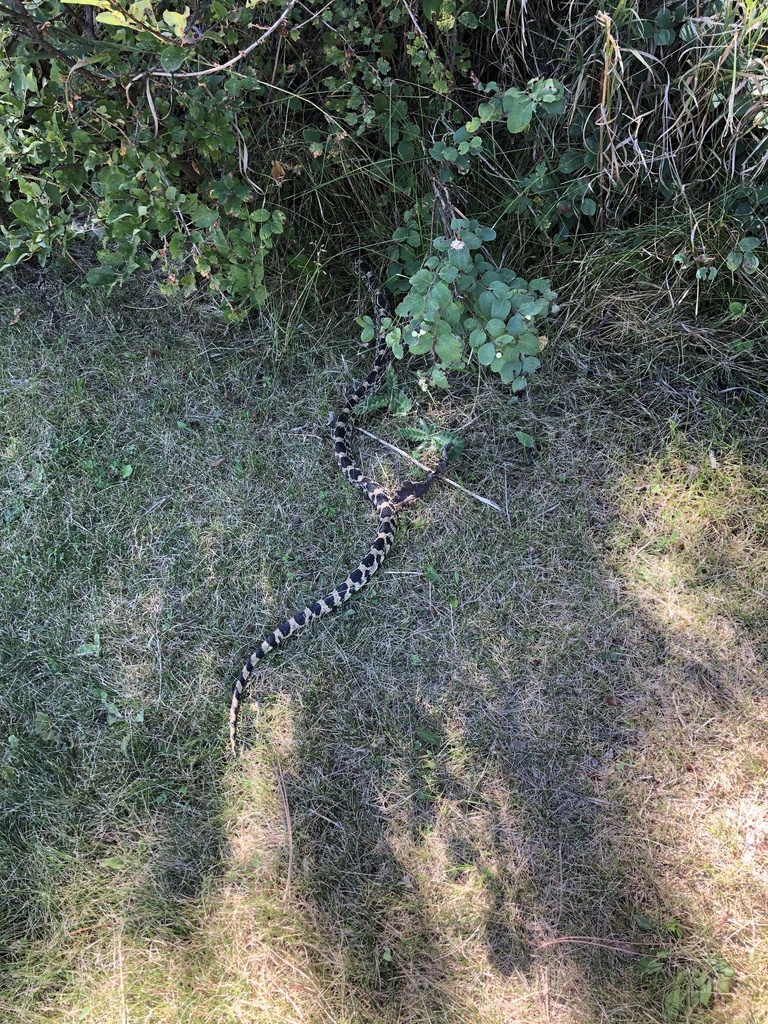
(520, 778)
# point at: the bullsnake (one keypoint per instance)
(386, 507)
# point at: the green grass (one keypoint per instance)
(521, 777)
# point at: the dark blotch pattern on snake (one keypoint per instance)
(387, 508)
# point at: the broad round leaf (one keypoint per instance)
(520, 111)
(486, 353)
(171, 58)
(449, 348)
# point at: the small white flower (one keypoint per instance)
(457, 244)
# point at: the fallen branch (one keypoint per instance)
(445, 479)
(158, 73)
(617, 946)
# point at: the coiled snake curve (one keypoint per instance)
(387, 508)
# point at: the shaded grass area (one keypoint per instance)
(522, 776)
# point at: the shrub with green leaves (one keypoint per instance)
(233, 144)
(461, 307)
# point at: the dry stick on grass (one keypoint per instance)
(289, 828)
(628, 949)
(445, 479)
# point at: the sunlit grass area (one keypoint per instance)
(521, 777)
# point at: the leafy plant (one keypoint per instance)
(221, 153)
(460, 307)
(685, 986)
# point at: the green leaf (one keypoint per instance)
(420, 344)
(733, 260)
(547, 91)
(42, 726)
(115, 863)
(171, 58)
(525, 439)
(529, 344)
(176, 22)
(519, 110)
(705, 991)
(115, 18)
(101, 277)
(490, 111)
(428, 737)
(501, 308)
(448, 274)
(510, 370)
(27, 212)
(89, 650)
(516, 325)
(204, 217)
(588, 206)
(644, 922)
(572, 160)
(391, 133)
(542, 286)
(748, 244)
(477, 338)
(449, 348)
(532, 308)
(496, 328)
(750, 263)
(486, 353)
(652, 963)
(673, 1002)
(485, 303)
(725, 978)
(441, 293)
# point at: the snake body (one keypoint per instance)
(386, 507)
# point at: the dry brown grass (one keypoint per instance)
(530, 753)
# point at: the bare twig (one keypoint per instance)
(416, 25)
(242, 149)
(289, 829)
(151, 103)
(445, 479)
(616, 945)
(157, 73)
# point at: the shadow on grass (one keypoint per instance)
(492, 782)
(539, 800)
